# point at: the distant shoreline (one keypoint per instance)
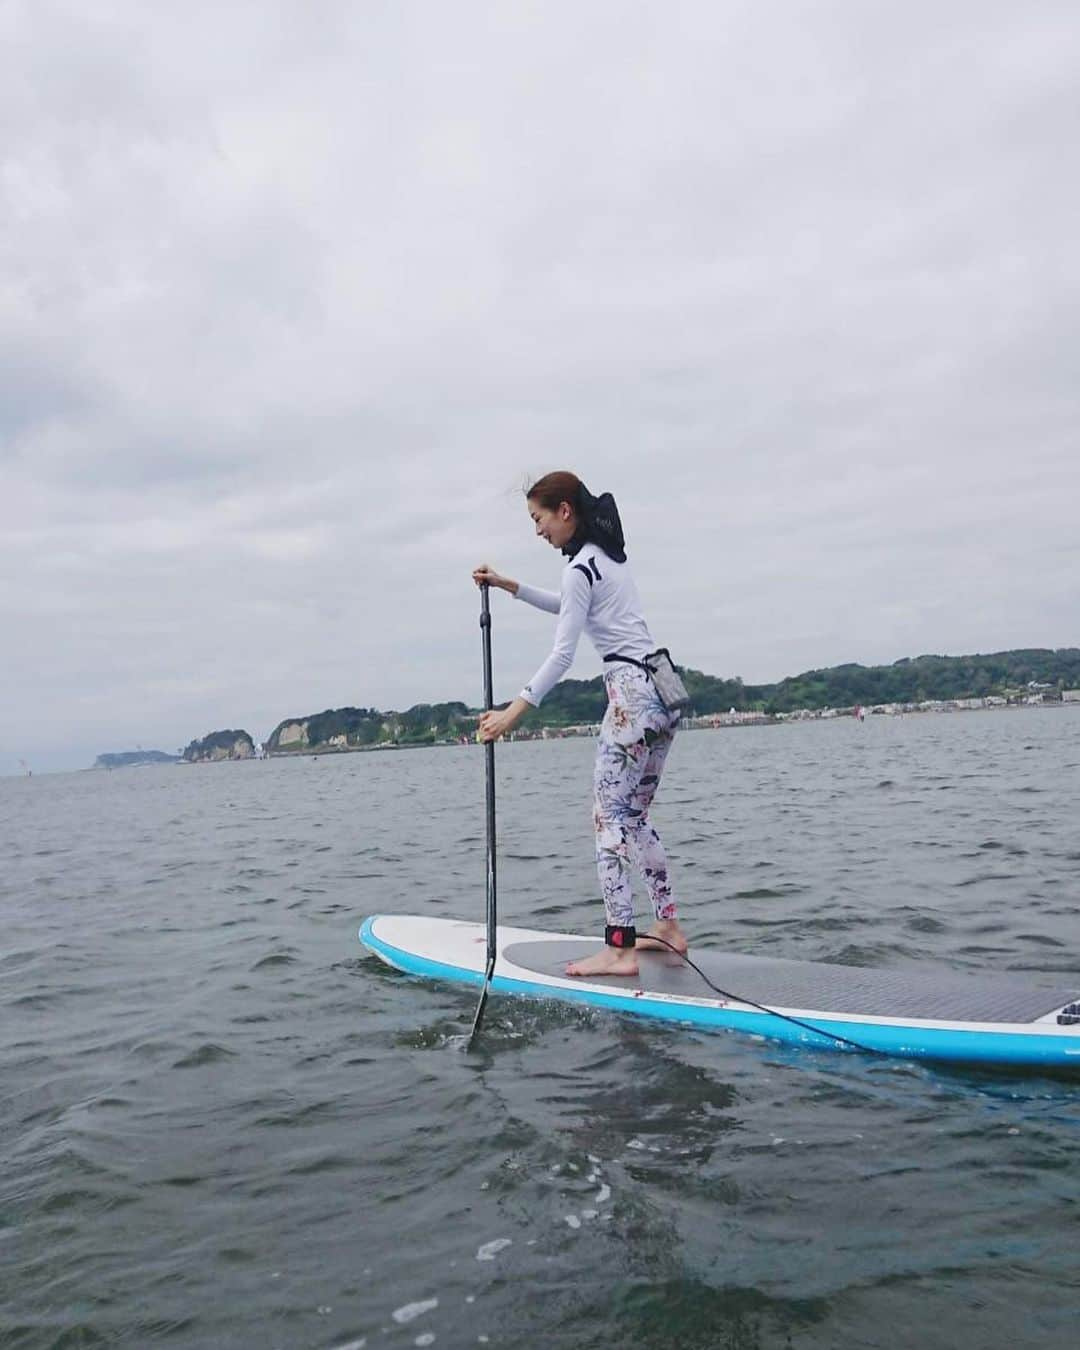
(712, 722)
(924, 684)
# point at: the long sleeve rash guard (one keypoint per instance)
(597, 596)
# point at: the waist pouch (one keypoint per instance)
(666, 679)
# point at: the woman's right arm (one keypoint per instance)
(487, 576)
(532, 595)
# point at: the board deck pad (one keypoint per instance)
(779, 983)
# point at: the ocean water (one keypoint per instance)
(223, 1124)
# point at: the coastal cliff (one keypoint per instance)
(220, 745)
(339, 729)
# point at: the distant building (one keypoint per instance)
(562, 733)
(1071, 696)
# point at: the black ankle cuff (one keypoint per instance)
(620, 935)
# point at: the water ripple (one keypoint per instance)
(224, 1124)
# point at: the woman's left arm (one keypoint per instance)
(498, 722)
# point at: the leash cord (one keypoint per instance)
(738, 998)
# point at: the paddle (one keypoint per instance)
(489, 748)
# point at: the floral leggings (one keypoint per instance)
(635, 737)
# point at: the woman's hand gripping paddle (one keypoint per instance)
(489, 751)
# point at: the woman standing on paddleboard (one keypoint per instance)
(598, 597)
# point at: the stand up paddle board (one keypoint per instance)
(1005, 1019)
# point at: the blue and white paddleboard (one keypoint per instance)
(1005, 1019)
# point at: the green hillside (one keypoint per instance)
(582, 702)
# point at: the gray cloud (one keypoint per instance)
(294, 300)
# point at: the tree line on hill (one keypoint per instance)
(582, 702)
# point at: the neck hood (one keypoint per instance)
(598, 523)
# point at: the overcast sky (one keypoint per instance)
(295, 297)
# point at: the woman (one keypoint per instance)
(598, 596)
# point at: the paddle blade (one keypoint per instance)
(478, 1017)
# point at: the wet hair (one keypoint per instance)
(555, 488)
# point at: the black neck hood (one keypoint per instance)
(598, 523)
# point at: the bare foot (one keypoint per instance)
(669, 930)
(607, 961)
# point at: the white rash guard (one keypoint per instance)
(598, 596)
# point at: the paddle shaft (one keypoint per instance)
(489, 751)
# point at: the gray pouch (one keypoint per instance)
(667, 680)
